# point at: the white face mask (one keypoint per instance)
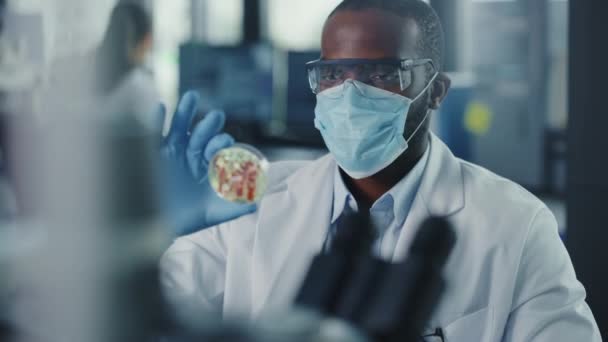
(363, 126)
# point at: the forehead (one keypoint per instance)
(370, 34)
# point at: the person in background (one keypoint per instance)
(121, 77)
(110, 83)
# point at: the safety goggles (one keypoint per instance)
(381, 73)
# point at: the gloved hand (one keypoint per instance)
(191, 203)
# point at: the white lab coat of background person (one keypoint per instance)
(138, 96)
(509, 277)
(111, 83)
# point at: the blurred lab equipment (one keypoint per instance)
(509, 89)
(387, 301)
(83, 264)
(515, 54)
(79, 251)
(453, 125)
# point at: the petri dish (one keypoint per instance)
(239, 174)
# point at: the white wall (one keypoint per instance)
(70, 26)
(297, 24)
(172, 26)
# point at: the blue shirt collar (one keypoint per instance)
(397, 201)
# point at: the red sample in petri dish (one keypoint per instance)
(239, 174)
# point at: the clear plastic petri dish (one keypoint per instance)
(239, 174)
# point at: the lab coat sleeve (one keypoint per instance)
(549, 302)
(193, 272)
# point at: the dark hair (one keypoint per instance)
(431, 44)
(129, 26)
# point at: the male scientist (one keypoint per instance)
(378, 80)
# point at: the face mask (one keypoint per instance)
(363, 126)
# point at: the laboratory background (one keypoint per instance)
(526, 102)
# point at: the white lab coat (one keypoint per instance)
(137, 96)
(509, 276)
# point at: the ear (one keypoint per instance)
(440, 89)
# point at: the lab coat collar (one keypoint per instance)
(442, 187)
(400, 197)
(441, 194)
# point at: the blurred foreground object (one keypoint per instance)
(389, 302)
(94, 276)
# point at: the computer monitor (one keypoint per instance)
(237, 80)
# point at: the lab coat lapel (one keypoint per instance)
(441, 193)
(292, 227)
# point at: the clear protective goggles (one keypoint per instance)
(389, 74)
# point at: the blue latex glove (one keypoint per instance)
(191, 202)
